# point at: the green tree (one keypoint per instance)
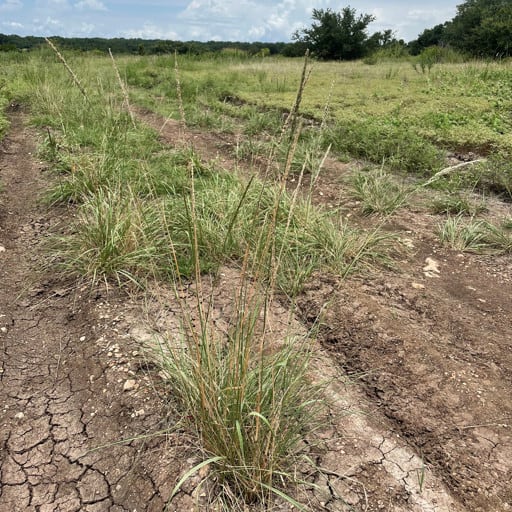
(380, 40)
(435, 36)
(336, 36)
(482, 27)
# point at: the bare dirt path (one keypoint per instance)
(69, 381)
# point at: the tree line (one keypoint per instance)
(139, 46)
(480, 28)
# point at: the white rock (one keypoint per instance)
(129, 385)
(431, 268)
(19, 416)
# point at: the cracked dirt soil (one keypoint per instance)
(60, 397)
(433, 367)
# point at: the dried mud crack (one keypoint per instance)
(426, 427)
(63, 366)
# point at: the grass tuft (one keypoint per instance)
(378, 192)
(476, 235)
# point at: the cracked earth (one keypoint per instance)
(64, 403)
(419, 376)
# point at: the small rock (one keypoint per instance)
(2, 248)
(3, 329)
(82, 338)
(140, 412)
(129, 385)
(431, 268)
(19, 416)
(418, 286)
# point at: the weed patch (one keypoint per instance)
(378, 192)
(475, 236)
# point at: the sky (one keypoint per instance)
(206, 20)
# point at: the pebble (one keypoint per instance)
(3, 329)
(2, 248)
(19, 416)
(129, 385)
(431, 268)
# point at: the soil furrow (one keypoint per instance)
(61, 394)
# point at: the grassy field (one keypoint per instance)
(453, 106)
(146, 210)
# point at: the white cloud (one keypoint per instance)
(87, 28)
(44, 5)
(243, 19)
(11, 5)
(48, 25)
(151, 31)
(12, 24)
(94, 5)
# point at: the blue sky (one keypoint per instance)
(204, 20)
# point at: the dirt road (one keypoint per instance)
(69, 382)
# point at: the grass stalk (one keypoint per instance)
(75, 79)
(183, 122)
(123, 87)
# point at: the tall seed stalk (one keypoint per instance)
(68, 69)
(246, 396)
(123, 87)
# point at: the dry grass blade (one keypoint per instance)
(183, 122)
(123, 88)
(69, 70)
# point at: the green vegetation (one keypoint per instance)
(475, 235)
(143, 210)
(136, 46)
(401, 118)
(457, 203)
(378, 192)
(247, 398)
(334, 36)
(4, 102)
(480, 28)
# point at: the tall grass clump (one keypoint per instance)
(475, 235)
(378, 192)
(115, 235)
(457, 203)
(144, 211)
(245, 391)
(247, 398)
